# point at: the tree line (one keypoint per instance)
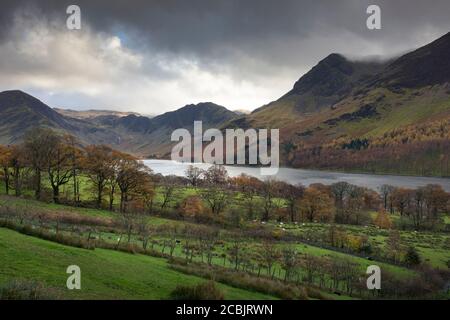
(111, 177)
(62, 160)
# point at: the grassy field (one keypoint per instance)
(111, 274)
(433, 247)
(105, 274)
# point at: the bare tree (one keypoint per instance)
(216, 198)
(288, 261)
(236, 251)
(144, 230)
(216, 175)
(194, 175)
(386, 191)
(269, 255)
(168, 191)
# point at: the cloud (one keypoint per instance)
(155, 56)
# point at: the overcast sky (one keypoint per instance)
(155, 56)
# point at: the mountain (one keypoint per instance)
(328, 82)
(426, 66)
(19, 111)
(151, 137)
(346, 114)
(129, 132)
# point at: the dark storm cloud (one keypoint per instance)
(268, 43)
(213, 28)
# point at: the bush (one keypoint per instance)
(203, 291)
(412, 257)
(244, 281)
(25, 290)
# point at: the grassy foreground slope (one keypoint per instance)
(105, 274)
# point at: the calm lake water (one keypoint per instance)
(306, 177)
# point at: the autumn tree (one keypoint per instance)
(248, 187)
(382, 220)
(146, 191)
(97, 165)
(38, 145)
(191, 207)
(291, 193)
(129, 176)
(316, 205)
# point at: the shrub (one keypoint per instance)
(25, 290)
(244, 281)
(412, 257)
(202, 291)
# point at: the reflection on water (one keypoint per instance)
(306, 177)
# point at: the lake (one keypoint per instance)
(306, 177)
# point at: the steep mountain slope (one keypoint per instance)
(20, 111)
(426, 66)
(331, 80)
(342, 109)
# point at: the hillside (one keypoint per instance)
(106, 274)
(18, 110)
